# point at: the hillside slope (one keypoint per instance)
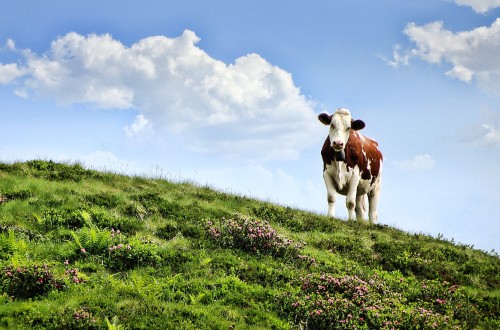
(81, 249)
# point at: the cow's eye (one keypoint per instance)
(348, 128)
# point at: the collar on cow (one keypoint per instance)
(339, 155)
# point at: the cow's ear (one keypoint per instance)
(357, 124)
(325, 118)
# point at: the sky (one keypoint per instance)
(227, 93)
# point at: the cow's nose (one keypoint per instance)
(338, 144)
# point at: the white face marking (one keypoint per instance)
(340, 128)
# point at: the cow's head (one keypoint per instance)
(341, 125)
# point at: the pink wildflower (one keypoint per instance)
(83, 250)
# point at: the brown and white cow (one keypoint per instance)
(352, 165)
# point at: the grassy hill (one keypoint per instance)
(81, 249)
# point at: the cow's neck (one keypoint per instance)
(338, 170)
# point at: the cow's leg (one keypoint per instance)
(331, 193)
(350, 200)
(361, 206)
(373, 197)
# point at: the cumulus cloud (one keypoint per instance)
(398, 58)
(479, 6)
(491, 136)
(139, 125)
(473, 55)
(9, 73)
(488, 134)
(249, 107)
(417, 163)
(484, 131)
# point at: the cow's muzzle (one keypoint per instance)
(339, 155)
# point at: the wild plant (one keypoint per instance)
(326, 301)
(252, 235)
(28, 281)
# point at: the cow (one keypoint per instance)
(352, 165)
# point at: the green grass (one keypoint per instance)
(82, 249)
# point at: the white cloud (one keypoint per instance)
(482, 132)
(10, 45)
(492, 135)
(417, 163)
(473, 55)
(479, 6)
(139, 125)
(461, 73)
(397, 58)
(9, 73)
(249, 107)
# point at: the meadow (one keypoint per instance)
(84, 249)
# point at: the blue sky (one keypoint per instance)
(226, 93)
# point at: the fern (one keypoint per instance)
(87, 218)
(10, 245)
(38, 219)
(77, 239)
(114, 325)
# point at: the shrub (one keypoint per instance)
(134, 254)
(58, 171)
(81, 318)
(168, 230)
(104, 199)
(30, 281)
(350, 302)
(114, 249)
(282, 215)
(252, 235)
(16, 195)
(55, 318)
(68, 218)
(105, 219)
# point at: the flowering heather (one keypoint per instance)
(73, 275)
(83, 315)
(139, 253)
(114, 249)
(35, 280)
(349, 302)
(253, 236)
